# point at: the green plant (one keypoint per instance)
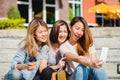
(12, 24)
(70, 13)
(13, 13)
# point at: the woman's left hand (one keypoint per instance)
(95, 63)
(61, 63)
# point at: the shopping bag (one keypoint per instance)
(59, 75)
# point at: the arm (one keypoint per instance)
(21, 66)
(95, 61)
(43, 64)
(60, 65)
(83, 60)
(19, 61)
(29, 66)
(76, 58)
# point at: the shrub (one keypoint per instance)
(12, 24)
(70, 14)
(14, 20)
(13, 13)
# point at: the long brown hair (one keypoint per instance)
(31, 45)
(55, 30)
(86, 40)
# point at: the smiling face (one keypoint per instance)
(77, 31)
(59, 32)
(63, 33)
(41, 34)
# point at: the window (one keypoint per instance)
(23, 8)
(50, 11)
(23, 0)
(45, 9)
(74, 8)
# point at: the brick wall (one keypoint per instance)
(5, 5)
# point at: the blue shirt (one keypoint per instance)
(23, 57)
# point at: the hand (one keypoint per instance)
(97, 64)
(94, 62)
(30, 66)
(61, 63)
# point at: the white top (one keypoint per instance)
(68, 48)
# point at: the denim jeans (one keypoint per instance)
(13, 74)
(85, 73)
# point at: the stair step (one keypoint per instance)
(9, 42)
(111, 42)
(111, 70)
(113, 54)
(4, 67)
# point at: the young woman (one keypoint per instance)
(52, 61)
(80, 53)
(30, 49)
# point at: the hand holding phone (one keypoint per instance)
(104, 53)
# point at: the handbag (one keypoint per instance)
(59, 75)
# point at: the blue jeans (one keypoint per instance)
(13, 74)
(84, 73)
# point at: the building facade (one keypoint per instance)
(52, 10)
(4, 7)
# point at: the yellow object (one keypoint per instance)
(100, 8)
(59, 75)
(114, 12)
(114, 9)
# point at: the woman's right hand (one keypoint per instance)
(30, 66)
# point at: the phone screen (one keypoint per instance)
(104, 53)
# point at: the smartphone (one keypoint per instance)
(104, 53)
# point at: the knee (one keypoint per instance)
(79, 69)
(17, 74)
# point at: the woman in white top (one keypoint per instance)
(80, 53)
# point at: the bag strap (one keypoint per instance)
(25, 56)
(68, 69)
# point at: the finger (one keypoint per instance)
(64, 58)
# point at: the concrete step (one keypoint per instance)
(111, 42)
(9, 42)
(103, 37)
(113, 54)
(108, 68)
(6, 58)
(12, 33)
(101, 31)
(7, 54)
(105, 31)
(4, 67)
(111, 70)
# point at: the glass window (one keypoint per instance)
(77, 0)
(23, 0)
(50, 1)
(77, 10)
(74, 8)
(50, 11)
(50, 15)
